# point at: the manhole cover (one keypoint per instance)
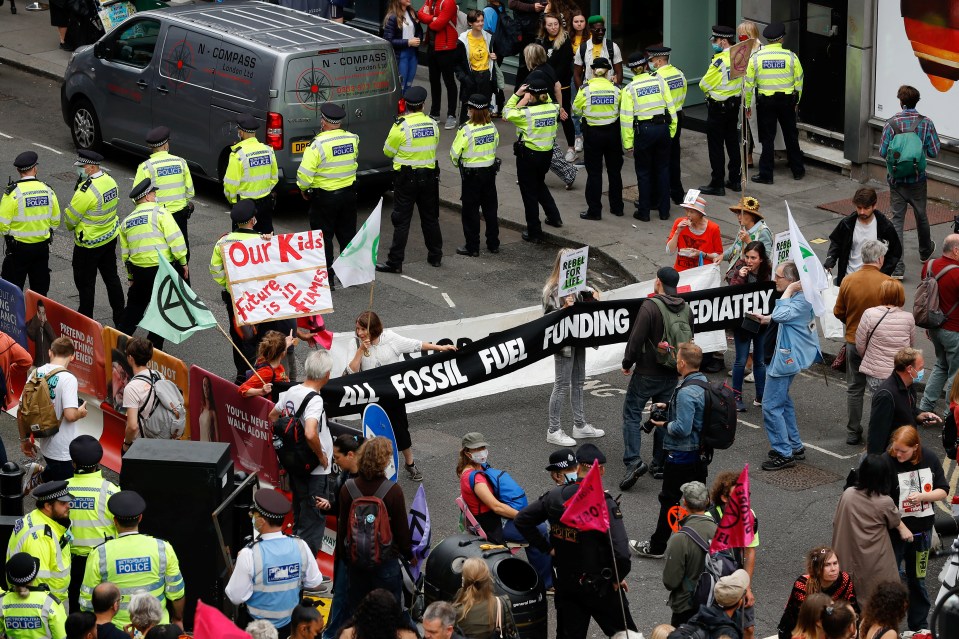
(68, 176)
(799, 477)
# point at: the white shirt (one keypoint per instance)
(408, 28)
(240, 587)
(289, 402)
(63, 386)
(388, 349)
(860, 233)
(614, 59)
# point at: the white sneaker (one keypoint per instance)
(570, 155)
(587, 431)
(750, 378)
(578, 144)
(559, 438)
(450, 123)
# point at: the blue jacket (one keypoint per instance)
(686, 410)
(798, 340)
(393, 33)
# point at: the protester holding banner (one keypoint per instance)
(753, 266)
(375, 347)
(694, 240)
(720, 493)
(268, 367)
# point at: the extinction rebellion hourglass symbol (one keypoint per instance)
(180, 62)
(313, 88)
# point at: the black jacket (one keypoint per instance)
(393, 33)
(647, 331)
(716, 623)
(893, 405)
(840, 244)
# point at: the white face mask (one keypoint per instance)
(571, 477)
(480, 456)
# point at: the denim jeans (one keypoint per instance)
(542, 562)
(947, 362)
(742, 339)
(779, 416)
(855, 390)
(308, 521)
(915, 194)
(407, 63)
(916, 557)
(341, 588)
(569, 379)
(641, 389)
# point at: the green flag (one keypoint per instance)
(175, 311)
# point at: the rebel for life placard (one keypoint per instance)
(572, 271)
(280, 278)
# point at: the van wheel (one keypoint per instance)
(85, 126)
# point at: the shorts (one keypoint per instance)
(59, 16)
(749, 616)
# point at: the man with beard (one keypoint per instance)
(41, 533)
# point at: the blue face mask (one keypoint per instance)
(919, 375)
(571, 477)
(717, 48)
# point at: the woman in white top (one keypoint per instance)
(378, 347)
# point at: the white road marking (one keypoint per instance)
(417, 281)
(808, 445)
(448, 300)
(44, 146)
(9, 137)
(745, 423)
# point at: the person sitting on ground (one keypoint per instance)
(479, 613)
(822, 575)
(269, 365)
(145, 613)
(885, 611)
(838, 621)
(379, 616)
(807, 622)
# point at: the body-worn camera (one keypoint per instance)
(656, 414)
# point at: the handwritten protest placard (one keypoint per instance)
(278, 279)
(572, 271)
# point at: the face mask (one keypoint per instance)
(480, 457)
(717, 48)
(81, 172)
(571, 477)
(919, 375)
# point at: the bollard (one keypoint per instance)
(11, 490)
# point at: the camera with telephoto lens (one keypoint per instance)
(656, 414)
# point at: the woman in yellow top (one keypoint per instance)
(577, 34)
(475, 69)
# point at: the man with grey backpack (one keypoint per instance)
(153, 404)
(945, 336)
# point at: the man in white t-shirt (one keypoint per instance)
(55, 450)
(597, 47)
(308, 521)
(846, 240)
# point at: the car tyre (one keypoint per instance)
(85, 126)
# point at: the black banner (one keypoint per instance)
(582, 325)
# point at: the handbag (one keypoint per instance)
(508, 629)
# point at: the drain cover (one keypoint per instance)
(799, 477)
(68, 176)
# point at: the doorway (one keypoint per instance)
(822, 51)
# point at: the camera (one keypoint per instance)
(656, 414)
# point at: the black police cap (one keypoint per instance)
(86, 451)
(415, 96)
(774, 31)
(22, 568)
(562, 459)
(243, 211)
(720, 31)
(25, 161)
(332, 113)
(655, 51)
(478, 101)
(601, 63)
(271, 504)
(141, 188)
(126, 504)
(85, 157)
(590, 454)
(158, 136)
(636, 59)
(247, 123)
(52, 491)
(538, 82)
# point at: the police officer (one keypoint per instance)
(243, 216)
(777, 74)
(723, 100)
(411, 144)
(536, 117)
(597, 103)
(251, 172)
(29, 611)
(648, 120)
(588, 583)
(43, 534)
(658, 59)
(171, 175)
(134, 561)
(271, 570)
(474, 152)
(29, 212)
(327, 178)
(147, 229)
(91, 522)
(92, 216)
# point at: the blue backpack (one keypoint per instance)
(505, 488)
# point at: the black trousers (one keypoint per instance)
(569, 129)
(78, 565)
(86, 263)
(246, 346)
(27, 260)
(674, 476)
(531, 169)
(480, 82)
(419, 187)
(722, 130)
(603, 144)
(138, 299)
(575, 608)
(651, 145)
(479, 193)
(334, 213)
(676, 190)
(771, 109)
(181, 217)
(264, 214)
(441, 65)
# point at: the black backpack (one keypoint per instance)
(289, 441)
(719, 417)
(508, 37)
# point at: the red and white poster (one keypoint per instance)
(277, 279)
(221, 414)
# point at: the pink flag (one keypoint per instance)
(738, 527)
(210, 623)
(586, 510)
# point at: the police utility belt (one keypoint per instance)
(729, 104)
(317, 191)
(419, 170)
(656, 119)
(469, 171)
(779, 96)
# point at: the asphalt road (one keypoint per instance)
(795, 507)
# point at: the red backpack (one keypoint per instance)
(369, 539)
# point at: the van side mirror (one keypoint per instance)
(101, 49)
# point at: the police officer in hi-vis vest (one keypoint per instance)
(474, 152)
(43, 534)
(91, 522)
(251, 172)
(271, 570)
(92, 216)
(29, 611)
(134, 561)
(29, 212)
(597, 103)
(723, 100)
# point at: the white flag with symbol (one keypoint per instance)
(356, 263)
(811, 272)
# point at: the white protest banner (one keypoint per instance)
(781, 248)
(572, 271)
(278, 279)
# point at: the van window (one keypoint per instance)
(135, 43)
(338, 75)
(186, 57)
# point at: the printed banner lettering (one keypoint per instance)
(738, 525)
(278, 279)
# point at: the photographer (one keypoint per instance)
(681, 443)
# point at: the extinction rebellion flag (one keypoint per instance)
(175, 311)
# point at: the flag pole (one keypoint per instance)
(237, 349)
(612, 552)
